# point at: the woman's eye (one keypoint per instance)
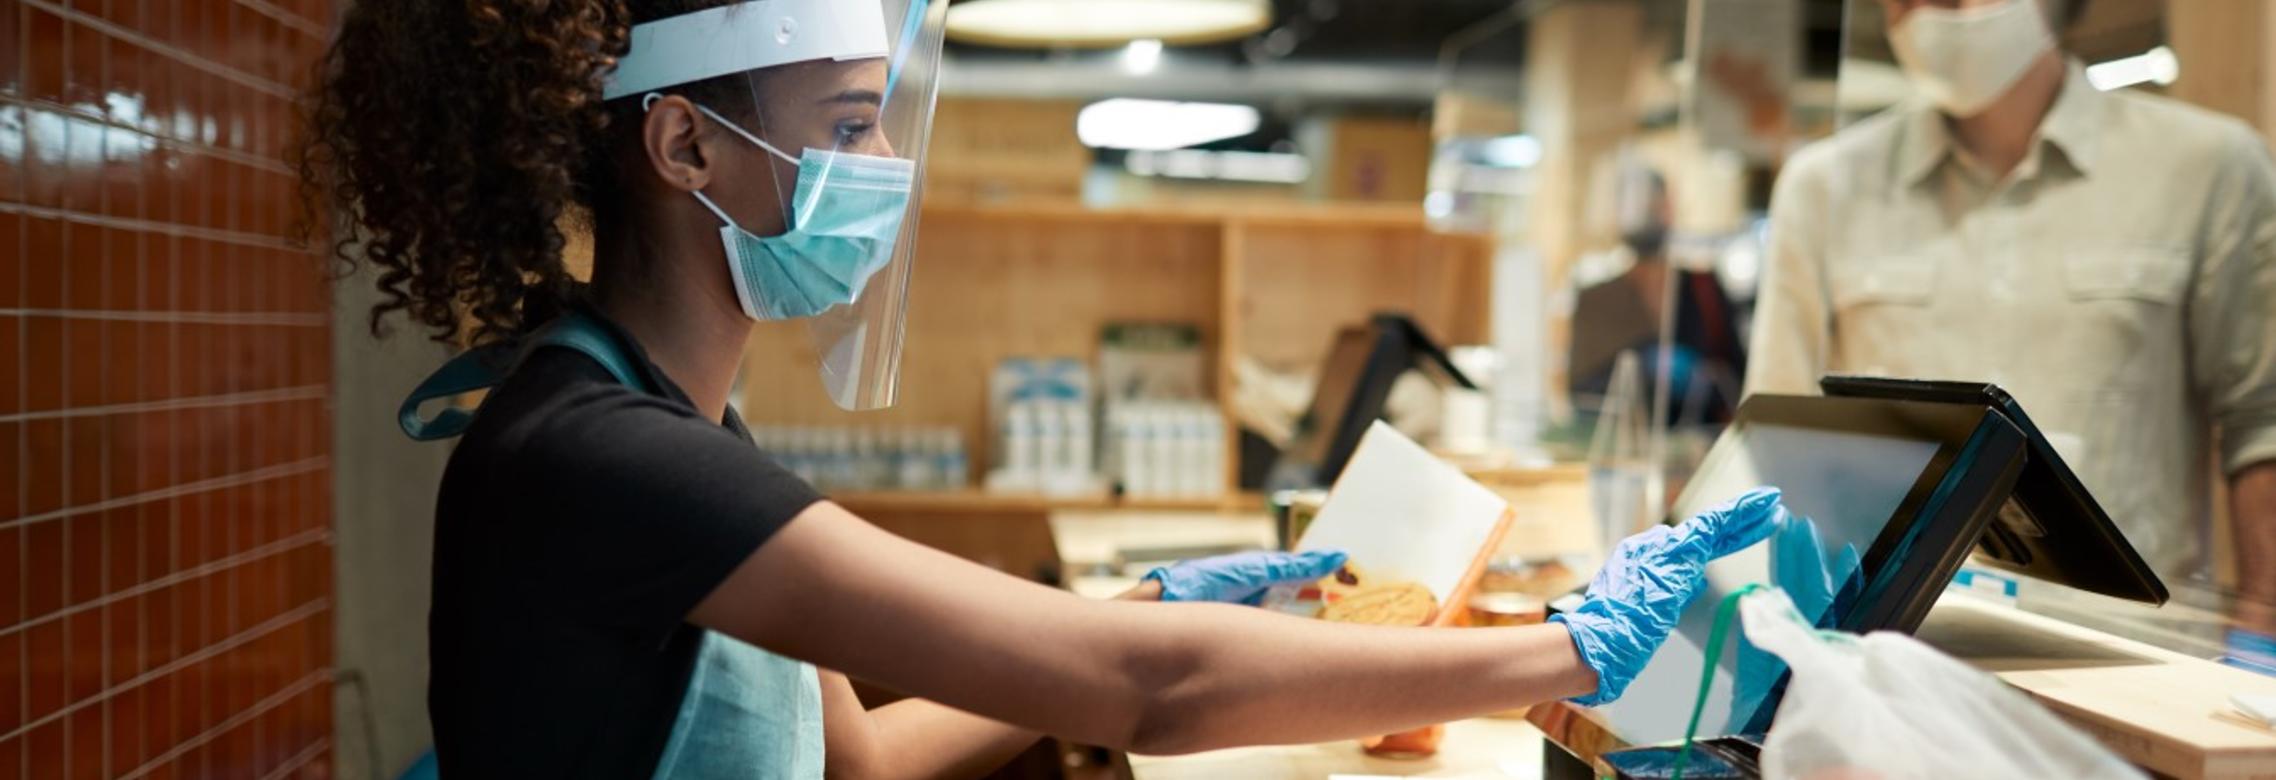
(851, 131)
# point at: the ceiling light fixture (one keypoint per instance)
(1142, 56)
(1130, 123)
(1101, 24)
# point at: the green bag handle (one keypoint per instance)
(486, 366)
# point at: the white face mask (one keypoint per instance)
(1965, 59)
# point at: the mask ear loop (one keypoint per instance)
(648, 102)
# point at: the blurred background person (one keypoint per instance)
(1706, 357)
(2106, 257)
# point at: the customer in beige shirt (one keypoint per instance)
(2109, 258)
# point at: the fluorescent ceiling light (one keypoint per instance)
(1129, 123)
(1511, 151)
(1104, 23)
(1142, 56)
(1264, 167)
(2157, 66)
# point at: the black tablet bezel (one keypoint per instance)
(2089, 552)
(1979, 455)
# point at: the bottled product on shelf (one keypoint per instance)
(1166, 449)
(866, 458)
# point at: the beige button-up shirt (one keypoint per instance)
(2120, 282)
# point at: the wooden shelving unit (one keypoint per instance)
(1042, 279)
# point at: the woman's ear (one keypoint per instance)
(668, 136)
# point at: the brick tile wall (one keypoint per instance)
(165, 484)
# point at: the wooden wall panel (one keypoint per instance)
(1301, 282)
(989, 286)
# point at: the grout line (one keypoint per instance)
(281, 319)
(83, 113)
(272, 701)
(290, 19)
(249, 397)
(150, 226)
(105, 26)
(266, 627)
(302, 466)
(22, 445)
(103, 286)
(304, 758)
(285, 545)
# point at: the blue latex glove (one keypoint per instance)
(1636, 598)
(1242, 578)
(1823, 584)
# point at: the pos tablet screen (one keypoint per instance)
(1885, 497)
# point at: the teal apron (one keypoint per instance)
(747, 713)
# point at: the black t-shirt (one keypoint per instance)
(580, 520)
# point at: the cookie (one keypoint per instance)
(1395, 604)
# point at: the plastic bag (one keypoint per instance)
(1887, 706)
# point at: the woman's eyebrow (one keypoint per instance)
(863, 96)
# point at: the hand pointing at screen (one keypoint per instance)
(1635, 599)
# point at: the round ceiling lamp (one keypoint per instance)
(1104, 23)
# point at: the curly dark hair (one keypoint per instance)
(455, 138)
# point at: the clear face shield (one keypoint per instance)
(843, 92)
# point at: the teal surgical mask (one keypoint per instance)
(844, 217)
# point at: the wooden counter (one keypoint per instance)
(1477, 748)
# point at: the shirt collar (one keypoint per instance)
(2071, 127)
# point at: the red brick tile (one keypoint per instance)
(47, 750)
(86, 246)
(130, 444)
(12, 243)
(81, 365)
(12, 470)
(44, 347)
(122, 268)
(11, 356)
(44, 553)
(44, 653)
(190, 707)
(85, 442)
(44, 263)
(12, 576)
(47, 157)
(12, 118)
(43, 466)
(12, 757)
(11, 73)
(161, 642)
(213, 610)
(154, 525)
(121, 171)
(83, 542)
(11, 684)
(213, 436)
(129, 712)
(83, 658)
(122, 551)
(123, 640)
(86, 737)
(237, 752)
(189, 537)
(43, 57)
(161, 699)
(83, 67)
(157, 374)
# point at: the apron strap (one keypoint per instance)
(479, 369)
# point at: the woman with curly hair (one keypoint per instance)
(625, 586)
